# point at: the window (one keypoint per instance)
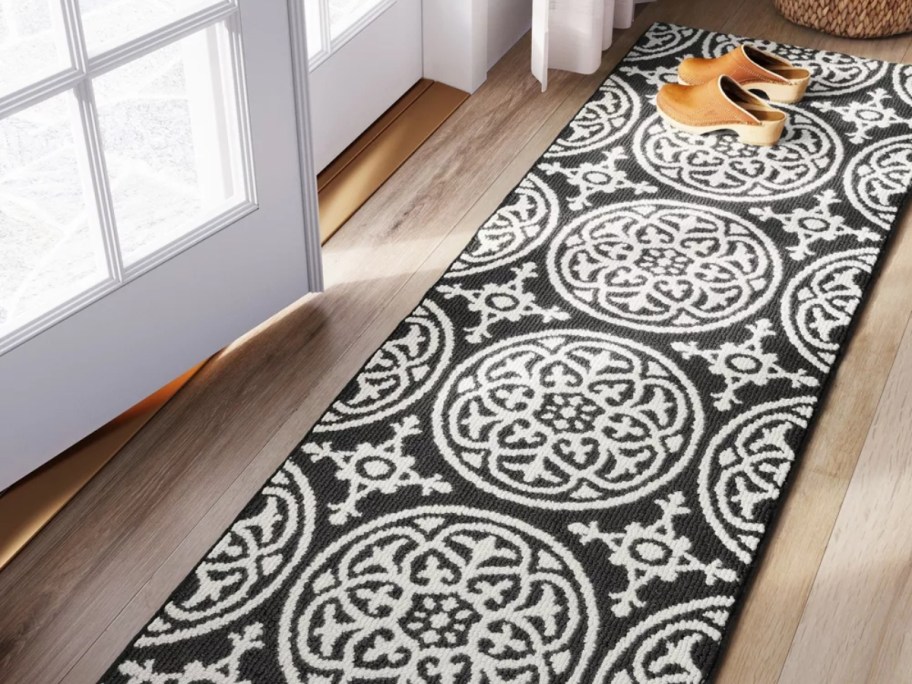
(331, 23)
(123, 141)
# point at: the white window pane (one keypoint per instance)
(313, 20)
(109, 23)
(52, 251)
(170, 141)
(32, 42)
(343, 14)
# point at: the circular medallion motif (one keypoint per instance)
(398, 374)
(440, 594)
(662, 40)
(878, 178)
(818, 303)
(745, 467)
(607, 117)
(902, 82)
(527, 217)
(719, 166)
(247, 565)
(569, 420)
(832, 73)
(664, 267)
(674, 646)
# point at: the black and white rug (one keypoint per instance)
(560, 467)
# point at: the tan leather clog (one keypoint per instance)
(753, 69)
(719, 105)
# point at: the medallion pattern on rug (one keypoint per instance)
(444, 594)
(562, 465)
(569, 419)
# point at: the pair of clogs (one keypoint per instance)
(715, 94)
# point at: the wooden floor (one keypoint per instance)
(833, 600)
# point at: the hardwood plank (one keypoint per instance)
(857, 616)
(27, 506)
(381, 152)
(894, 657)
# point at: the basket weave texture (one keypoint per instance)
(850, 18)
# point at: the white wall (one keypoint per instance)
(455, 42)
(465, 38)
(508, 21)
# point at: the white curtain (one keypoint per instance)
(571, 34)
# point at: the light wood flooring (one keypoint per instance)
(833, 600)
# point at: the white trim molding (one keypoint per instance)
(78, 78)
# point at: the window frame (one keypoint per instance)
(77, 78)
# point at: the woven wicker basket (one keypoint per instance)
(851, 18)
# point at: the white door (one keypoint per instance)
(152, 203)
(364, 55)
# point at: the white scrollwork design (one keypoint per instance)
(819, 301)
(525, 220)
(606, 118)
(745, 467)
(868, 117)
(721, 167)
(879, 177)
(496, 302)
(656, 552)
(568, 419)
(449, 594)
(246, 566)
(226, 670)
(744, 364)
(819, 223)
(902, 82)
(663, 40)
(671, 646)
(662, 267)
(398, 374)
(370, 468)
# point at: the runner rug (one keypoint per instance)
(561, 466)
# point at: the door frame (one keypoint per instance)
(300, 74)
(37, 422)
